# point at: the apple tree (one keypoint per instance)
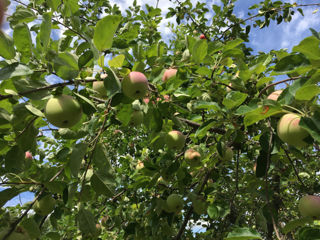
(121, 134)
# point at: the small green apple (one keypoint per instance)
(290, 132)
(45, 205)
(169, 73)
(98, 86)
(135, 85)
(309, 206)
(192, 157)
(136, 118)
(175, 140)
(63, 111)
(175, 203)
(275, 95)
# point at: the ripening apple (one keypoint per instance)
(275, 95)
(45, 205)
(175, 203)
(202, 36)
(169, 73)
(28, 155)
(309, 206)
(290, 132)
(135, 85)
(192, 157)
(63, 111)
(98, 86)
(175, 140)
(136, 118)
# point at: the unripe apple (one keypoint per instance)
(175, 140)
(98, 86)
(290, 132)
(202, 36)
(275, 95)
(136, 118)
(169, 73)
(63, 111)
(45, 205)
(309, 206)
(175, 203)
(135, 85)
(195, 31)
(229, 89)
(192, 157)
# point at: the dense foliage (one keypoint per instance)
(202, 149)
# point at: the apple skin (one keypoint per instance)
(175, 140)
(290, 132)
(202, 36)
(28, 155)
(136, 118)
(309, 206)
(98, 86)
(169, 73)
(192, 157)
(63, 111)
(275, 95)
(45, 205)
(175, 203)
(135, 85)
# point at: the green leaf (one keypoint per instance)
(14, 70)
(14, 160)
(117, 61)
(101, 159)
(8, 194)
(203, 129)
(243, 234)
(308, 92)
(310, 48)
(86, 222)
(45, 30)
(103, 184)
(296, 223)
(7, 50)
(32, 228)
(104, 32)
(309, 233)
(206, 105)
(22, 15)
(291, 63)
(199, 51)
(77, 154)
(86, 101)
(260, 114)
(111, 83)
(312, 125)
(66, 66)
(233, 44)
(22, 40)
(34, 110)
(234, 99)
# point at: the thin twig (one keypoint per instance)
(26, 127)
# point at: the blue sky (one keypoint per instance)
(285, 35)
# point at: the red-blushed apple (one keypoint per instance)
(290, 132)
(309, 206)
(275, 95)
(98, 86)
(28, 155)
(192, 157)
(175, 203)
(63, 111)
(135, 85)
(202, 36)
(45, 205)
(136, 118)
(175, 140)
(146, 100)
(169, 73)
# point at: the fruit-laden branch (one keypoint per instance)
(276, 83)
(15, 223)
(261, 14)
(70, 82)
(190, 210)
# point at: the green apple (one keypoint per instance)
(175, 140)
(98, 86)
(45, 205)
(136, 118)
(169, 73)
(290, 132)
(309, 206)
(192, 157)
(175, 203)
(63, 111)
(275, 95)
(135, 85)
